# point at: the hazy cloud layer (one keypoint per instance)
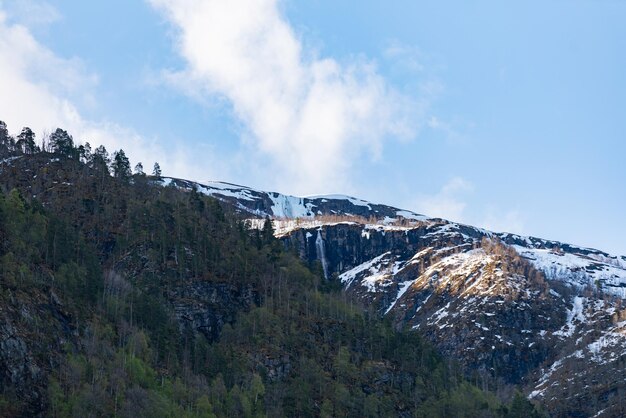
(311, 115)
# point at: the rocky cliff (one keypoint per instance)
(511, 309)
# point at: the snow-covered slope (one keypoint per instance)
(579, 269)
(511, 309)
(503, 310)
(280, 206)
(577, 266)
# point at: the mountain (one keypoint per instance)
(280, 206)
(513, 310)
(578, 266)
(121, 297)
(132, 295)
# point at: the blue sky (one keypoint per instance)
(507, 116)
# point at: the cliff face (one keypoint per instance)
(35, 327)
(205, 308)
(510, 309)
(536, 315)
(469, 300)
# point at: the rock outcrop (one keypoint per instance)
(511, 309)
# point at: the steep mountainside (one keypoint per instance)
(120, 297)
(131, 295)
(580, 267)
(276, 205)
(512, 309)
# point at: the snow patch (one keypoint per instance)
(371, 266)
(284, 206)
(579, 270)
(404, 286)
(576, 313)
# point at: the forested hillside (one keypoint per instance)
(122, 298)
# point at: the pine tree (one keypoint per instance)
(121, 165)
(61, 142)
(26, 141)
(100, 159)
(4, 132)
(84, 152)
(268, 231)
(7, 142)
(522, 408)
(139, 169)
(156, 171)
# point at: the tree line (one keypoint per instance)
(129, 263)
(60, 142)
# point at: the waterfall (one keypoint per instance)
(321, 253)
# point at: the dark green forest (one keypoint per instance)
(108, 281)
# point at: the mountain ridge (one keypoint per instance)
(211, 190)
(512, 309)
(285, 207)
(124, 298)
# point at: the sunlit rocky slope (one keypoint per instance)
(511, 309)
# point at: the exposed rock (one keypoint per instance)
(33, 331)
(205, 307)
(519, 310)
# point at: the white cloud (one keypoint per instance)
(451, 203)
(508, 221)
(312, 116)
(448, 203)
(41, 90)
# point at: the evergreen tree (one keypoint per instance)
(121, 165)
(156, 171)
(522, 408)
(7, 142)
(268, 231)
(26, 141)
(4, 132)
(84, 152)
(100, 159)
(61, 142)
(139, 169)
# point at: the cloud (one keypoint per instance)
(451, 203)
(31, 13)
(448, 203)
(43, 91)
(312, 116)
(408, 57)
(508, 221)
